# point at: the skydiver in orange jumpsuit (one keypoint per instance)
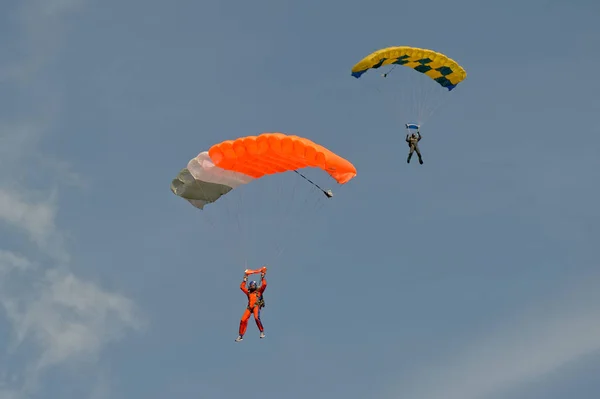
(255, 303)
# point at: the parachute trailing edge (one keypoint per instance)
(198, 192)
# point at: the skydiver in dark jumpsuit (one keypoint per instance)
(413, 144)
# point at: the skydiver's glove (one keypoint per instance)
(262, 275)
(245, 278)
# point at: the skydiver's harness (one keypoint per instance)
(260, 302)
(413, 142)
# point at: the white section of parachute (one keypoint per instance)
(202, 168)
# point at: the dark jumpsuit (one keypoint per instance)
(413, 144)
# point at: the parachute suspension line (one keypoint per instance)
(328, 193)
(231, 215)
(244, 227)
(420, 100)
(291, 209)
(285, 215)
(387, 104)
(297, 204)
(429, 93)
(300, 204)
(289, 212)
(407, 100)
(234, 207)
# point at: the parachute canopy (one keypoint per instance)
(231, 163)
(437, 66)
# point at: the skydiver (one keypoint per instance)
(255, 303)
(413, 144)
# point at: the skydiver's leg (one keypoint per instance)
(410, 153)
(419, 155)
(244, 322)
(256, 312)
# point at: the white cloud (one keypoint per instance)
(65, 318)
(543, 339)
(70, 318)
(54, 318)
(41, 24)
(10, 261)
(35, 219)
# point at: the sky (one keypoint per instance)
(473, 276)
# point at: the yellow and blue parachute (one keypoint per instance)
(436, 65)
(418, 95)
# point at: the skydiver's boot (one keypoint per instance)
(421, 160)
(262, 334)
(239, 338)
(408, 159)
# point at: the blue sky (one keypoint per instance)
(473, 276)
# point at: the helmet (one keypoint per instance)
(252, 285)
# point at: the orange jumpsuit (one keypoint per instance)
(252, 307)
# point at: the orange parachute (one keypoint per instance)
(271, 153)
(232, 163)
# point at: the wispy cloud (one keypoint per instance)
(35, 95)
(64, 318)
(34, 219)
(541, 339)
(55, 318)
(69, 317)
(41, 24)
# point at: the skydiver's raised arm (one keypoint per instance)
(243, 285)
(263, 283)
